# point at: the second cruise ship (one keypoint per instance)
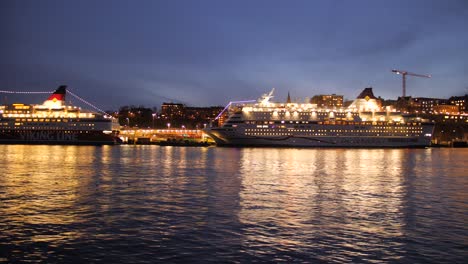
(362, 124)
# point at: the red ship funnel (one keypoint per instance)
(59, 94)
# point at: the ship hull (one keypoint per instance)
(232, 140)
(56, 137)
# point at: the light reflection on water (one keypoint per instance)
(148, 204)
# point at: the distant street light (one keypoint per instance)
(154, 114)
(168, 125)
(128, 121)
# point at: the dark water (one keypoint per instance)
(150, 204)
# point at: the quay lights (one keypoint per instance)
(168, 125)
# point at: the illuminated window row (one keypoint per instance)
(336, 130)
(267, 134)
(22, 126)
(47, 124)
(65, 131)
(51, 115)
(16, 112)
(329, 134)
(41, 120)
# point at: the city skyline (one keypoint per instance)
(204, 53)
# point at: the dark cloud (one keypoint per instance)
(211, 52)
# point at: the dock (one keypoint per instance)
(164, 136)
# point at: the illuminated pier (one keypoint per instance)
(148, 136)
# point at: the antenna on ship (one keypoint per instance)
(266, 97)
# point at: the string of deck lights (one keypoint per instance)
(86, 102)
(17, 92)
(233, 102)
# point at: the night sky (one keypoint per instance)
(204, 53)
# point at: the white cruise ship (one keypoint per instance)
(53, 122)
(362, 125)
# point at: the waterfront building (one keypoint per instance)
(327, 100)
(446, 109)
(426, 105)
(172, 111)
(461, 102)
(423, 105)
(199, 117)
(133, 116)
(180, 115)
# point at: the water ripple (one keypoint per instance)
(146, 204)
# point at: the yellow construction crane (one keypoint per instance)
(404, 73)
